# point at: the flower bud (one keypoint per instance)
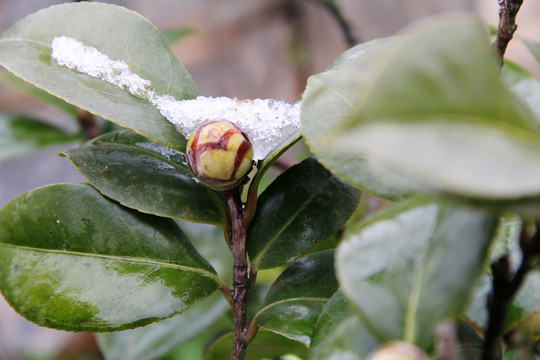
(398, 351)
(220, 155)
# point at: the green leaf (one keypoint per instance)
(20, 135)
(147, 177)
(524, 85)
(173, 36)
(36, 93)
(412, 265)
(25, 50)
(272, 157)
(266, 345)
(303, 207)
(452, 126)
(73, 260)
(155, 340)
(339, 333)
(196, 348)
(534, 48)
(329, 99)
(360, 53)
(211, 244)
(296, 298)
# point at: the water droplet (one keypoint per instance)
(58, 221)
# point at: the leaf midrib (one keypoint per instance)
(256, 261)
(409, 328)
(135, 260)
(150, 152)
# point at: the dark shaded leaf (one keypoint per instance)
(146, 176)
(297, 297)
(301, 208)
(266, 345)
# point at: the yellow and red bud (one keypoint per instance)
(220, 155)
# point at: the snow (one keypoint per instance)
(267, 122)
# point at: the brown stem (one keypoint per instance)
(240, 275)
(348, 31)
(504, 288)
(251, 332)
(508, 10)
(88, 124)
(224, 289)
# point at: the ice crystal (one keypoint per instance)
(268, 123)
(75, 55)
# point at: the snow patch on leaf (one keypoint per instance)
(267, 122)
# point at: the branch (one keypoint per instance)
(240, 275)
(504, 288)
(88, 124)
(508, 10)
(348, 31)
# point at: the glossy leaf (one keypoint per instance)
(271, 158)
(196, 348)
(301, 208)
(147, 177)
(20, 135)
(36, 93)
(25, 50)
(340, 334)
(328, 101)
(266, 345)
(210, 243)
(452, 126)
(155, 340)
(74, 260)
(413, 265)
(297, 297)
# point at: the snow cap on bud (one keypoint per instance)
(398, 351)
(220, 155)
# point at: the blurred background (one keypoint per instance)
(235, 48)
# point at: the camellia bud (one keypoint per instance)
(398, 351)
(220, 155)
